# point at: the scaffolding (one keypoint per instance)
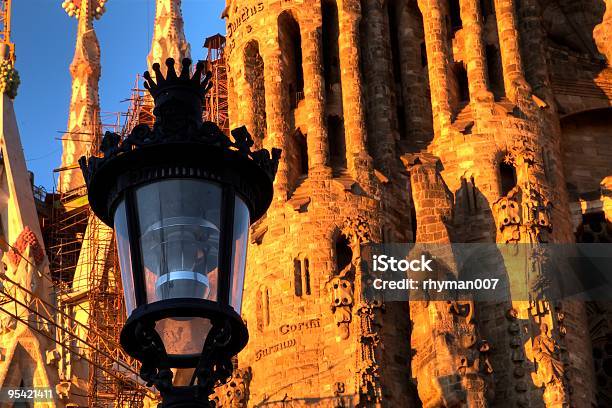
(83, 261)
(5, 28)
(140, 110)
(87, 283)
(216, 109)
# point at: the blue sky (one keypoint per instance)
(44, 38)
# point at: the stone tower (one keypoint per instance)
(419, 121)
(168, 34)
(84, 118)
(25, 335)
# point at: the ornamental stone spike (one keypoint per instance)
(84, 116)
(168, 35)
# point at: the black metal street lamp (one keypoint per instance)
(181, 198)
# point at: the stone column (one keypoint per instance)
(413, 87)
(533, 41)
(377, 70)
(314, 94)
(475, 49)
(349, 15)
(444, 377)
(277, 113)
(514, 77)
(438, 55)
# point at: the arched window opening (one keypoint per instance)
(337, 142)
(495, 71)
(254, 76)
(344, 253)
(331, 51)
(290, 41)
(302, 147)
(461, 80)
(296, 155)
(455, 16)
(507, 177)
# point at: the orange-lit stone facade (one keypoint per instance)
(419, 121)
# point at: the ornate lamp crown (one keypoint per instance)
(179, 102)
(173, 85)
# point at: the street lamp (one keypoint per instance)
(181, 198)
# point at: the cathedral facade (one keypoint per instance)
(429, 121)
(400, 121)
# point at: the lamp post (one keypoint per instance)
(181, 197)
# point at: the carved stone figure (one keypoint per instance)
(342, 301)
(507, 212)
(549, 367)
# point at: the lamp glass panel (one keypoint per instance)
(125, 257)
(239, 252)
(183, 335)
(179, 223)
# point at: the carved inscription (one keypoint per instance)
(298, 327)
(241, 16)
(264, 352)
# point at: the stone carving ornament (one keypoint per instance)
(342, 301)
(235, 393)
(9, 78)
(547, 356)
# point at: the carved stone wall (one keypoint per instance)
(448, 117)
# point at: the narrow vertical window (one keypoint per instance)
(455, 15)
(337, 142)
(297, 276)
(301, 276)
(461, 78)
(507, 176)
(254, 75)
(306, 275)
(266, 307)
(344, 253)
(259, 309)
(331, 51)
(495, 71)
(486, 8)
(290, 41)
(423, 54)
(302, 146)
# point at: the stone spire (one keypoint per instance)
(24, 333)
(168, 35)
(84, 116)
